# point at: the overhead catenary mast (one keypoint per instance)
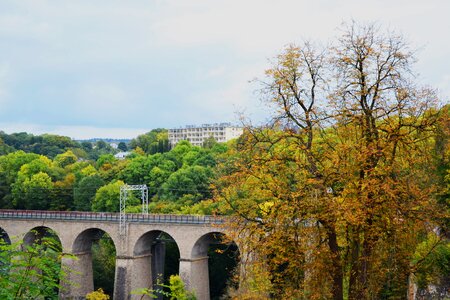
(124, 189)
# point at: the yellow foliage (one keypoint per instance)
(97, 295)
(341, 187)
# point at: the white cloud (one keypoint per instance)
(216, 72)
(444, 88)
(4, 79)
(102, 100)
(18, 26)
(233, 96)
(166, 61)
(258, 25)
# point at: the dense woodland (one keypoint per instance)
(56, 173)
(343, 195)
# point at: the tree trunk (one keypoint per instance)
(337, 266)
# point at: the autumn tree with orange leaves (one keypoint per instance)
(336, 193)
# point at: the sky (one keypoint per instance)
(118, 69)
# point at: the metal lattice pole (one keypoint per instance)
(123, 200)
(145, 200)
(122, 216)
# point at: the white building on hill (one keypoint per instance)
(196, 135)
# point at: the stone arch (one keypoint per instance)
(156, 256)
(47, 243)
(83, 241)
(217, 259)
(36, 234)
(82, 267)
(4, 236)
(4, 239)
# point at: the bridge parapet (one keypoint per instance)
(110, 217)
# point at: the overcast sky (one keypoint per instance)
(105, 68)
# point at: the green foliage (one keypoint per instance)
(176, 287)
(432, 261)
(104, 263)
(155, 141)
(223, 259)
(179, 151)
(205, 207)
(10, 165)
(4, 148)
(31, 272)
(157, 177)
(33, 192)
(178, 290)
(122, 146)
(65, 159)
(32, 188)
(93, 150)
(209, 142)
(105, 161)
(107, 197)
(102, 145)
(87, 146)
(46, 144)
(193, 180)
(85, 191)
(137, 169)
(179, 178)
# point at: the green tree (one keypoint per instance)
(87, 146)
(193, 180)
(65, 159)
(34, 192)
(10, 165)
(104, 263)
(137, 170)
(62, 196)
(209, 142)
(152, 170)
(122, 146)
(178, 152)
(102, 145)
(176, 287)
(85, 191)
(31, 271)
(33, 186)
(105, 161)
(46, 144)
(178, 290)
(157, 177)
(19, 141)
(432, 261)
(4, 148)
(155, 141)
(107, 197)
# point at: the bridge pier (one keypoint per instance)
(80, 281)
(194, 273)
(132, 273)
(158, 262)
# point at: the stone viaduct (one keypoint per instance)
(135, 246)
